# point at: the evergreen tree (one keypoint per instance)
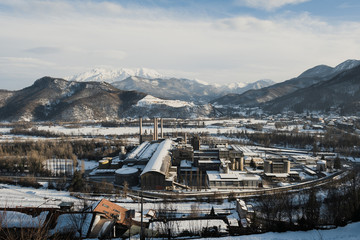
(77, 182)
(312, 210)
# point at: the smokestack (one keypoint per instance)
(154, 138)
(157, 129)
(140, 130)
(156, 132)
(162, 126)
(140, 126)
(241, 164)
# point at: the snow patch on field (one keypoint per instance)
(16, 196)
(88, 165)
(151, 100)
(79, 222)
(11, 219)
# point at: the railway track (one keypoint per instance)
(224, 194)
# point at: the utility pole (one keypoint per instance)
(142, 235)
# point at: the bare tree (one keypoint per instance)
(125, 189)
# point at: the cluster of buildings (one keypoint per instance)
(184, 163)
(166, 164)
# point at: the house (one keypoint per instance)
(111, 210)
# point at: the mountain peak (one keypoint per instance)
(113, 75)
(49, 81)
(317, 71)
(324, 70)
(348, 64)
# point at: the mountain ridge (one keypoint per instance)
(342, 92)
(146, 80)
(57, 99)
(52, 99)
(309, 77)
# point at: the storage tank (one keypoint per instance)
(286, 166)
(104, 163)
(128, 174)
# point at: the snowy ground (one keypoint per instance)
(353, 159)
(16, 196)
(13, 196)
(212, 126)
(88, 165)
(98, 130)
(349, 232)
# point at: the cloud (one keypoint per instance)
(268, 5)
(43, 50)
(23, 62)
(62, 38)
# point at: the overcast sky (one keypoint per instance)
(215, 41)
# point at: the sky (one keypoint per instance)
(216, 41)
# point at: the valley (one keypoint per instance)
(149, 156)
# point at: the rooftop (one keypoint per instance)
(232, 176)
(155, 163)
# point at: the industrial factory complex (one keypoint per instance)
(160, 163)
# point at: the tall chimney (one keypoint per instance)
(140, 130)
(157, 129)
(162, 126)
(154, 134)
(140, 126)
(155, 137)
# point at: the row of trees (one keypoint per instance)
(30, 155)
(333, 140)
(78, 184)
(335, 205)
(33, 132)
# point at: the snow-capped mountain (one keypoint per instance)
(183, 89)
(151, 82)
(113, 75)
(243, 87)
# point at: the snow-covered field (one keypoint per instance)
(16, 196)
(98, 130)
(212, 126)
(349, 232)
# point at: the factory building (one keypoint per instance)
(157, 174)
(232, 179)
